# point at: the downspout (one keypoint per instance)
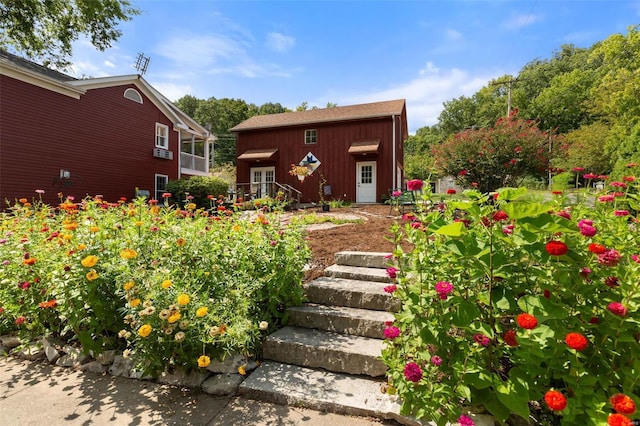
(393, 171)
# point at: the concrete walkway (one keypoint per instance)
(34, 393)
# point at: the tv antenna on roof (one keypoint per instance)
(142, 62)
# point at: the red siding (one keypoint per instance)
(333, 140)
(105, 140)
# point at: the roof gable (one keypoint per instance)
(323, 115)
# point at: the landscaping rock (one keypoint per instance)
(230, 364)
(32, 352)
(121, 366)
(222, 384)
(180, 378)
(51, 348)
(106, 357)
(72, 358)
(10, 342)
(94, 367)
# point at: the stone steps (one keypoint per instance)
(351, 293)
(340, 319)
(357, 273)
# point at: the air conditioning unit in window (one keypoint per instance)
(163, 153)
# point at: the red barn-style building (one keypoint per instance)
(357, 150)
(112, 136)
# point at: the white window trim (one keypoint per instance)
(133, 95)
(155, 185)
(166, 132)
(315, 139)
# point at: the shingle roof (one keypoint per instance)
(341, 113)
(32, 66)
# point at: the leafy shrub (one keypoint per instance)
(169, 285)
(197, 190)
(518, 306)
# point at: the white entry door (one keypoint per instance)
(262, 179)
(366, 182)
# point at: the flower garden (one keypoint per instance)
(168, 286)
(516, 304)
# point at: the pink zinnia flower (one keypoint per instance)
(606, 198)
(465, 421)
(611, 282)
(391, 332)
(610, 257)
(590, 176)
(396, 193)
(507, 230)
(588, 230)
(390, 289)
(444, 287)
(20, 320)
(618, 184)
(436, 360)
(481, 339)
(564, 213)
(413, 372)
(621, 212)
(635, 258)
(415, 185)
(392, 272)
(617, 308)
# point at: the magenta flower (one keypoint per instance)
(413, 372)
(635, 258)
(588, 230)
(585, 272)
(396, 193)
(611, 282)
(388, 256)
(391, 332)
(610, 257)
(618, 184)
(390, 289)
(415, 185)
(436, 360)
(481, 339)
(606, 198)
(621, 212)
(617, 308)
(443, 288)
(585, 222)
(590, 176)
(416, 224)
(392, 272)
(507, 230)
(466, 421)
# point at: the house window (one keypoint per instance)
(310, 136)
(133, 95)
(161, 186)
(162, 136)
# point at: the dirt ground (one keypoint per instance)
(373, 234)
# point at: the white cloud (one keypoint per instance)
(280, 42)
(518, 21)
(171, 91)
(453, 35)
(426, 93)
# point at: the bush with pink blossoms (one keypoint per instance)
(569, 269)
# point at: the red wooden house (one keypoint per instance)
(112, 136)
(357, 150)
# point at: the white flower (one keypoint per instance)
(180, 336)
(263, 325)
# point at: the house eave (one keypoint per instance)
(37, 79)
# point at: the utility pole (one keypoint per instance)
(509, 84)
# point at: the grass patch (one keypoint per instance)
(313, 218)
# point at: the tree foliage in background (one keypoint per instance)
(499, 156)
(45, 30)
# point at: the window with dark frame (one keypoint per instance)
(162, 136)
(161, 186)
(310, 136)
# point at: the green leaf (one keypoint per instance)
(454, 229)
(541, 307)
(548, 223)
(508, 194)
(500, 411)
(521, 210)
(467, 313)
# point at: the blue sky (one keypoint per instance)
(347, 52)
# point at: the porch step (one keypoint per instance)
(362, 259)
(340, 319)
(323, 391)
(357, 273)
(351, 293)
(335, 352)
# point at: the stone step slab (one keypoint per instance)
(351, 293)
(357, 273)
(335, 352)
(340, 319)
(362, 259)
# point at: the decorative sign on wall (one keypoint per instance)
(311, 162)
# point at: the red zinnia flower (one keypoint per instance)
(390, 289)
(619, 420)
(576, 341)
(622, 404)
(596, 248)
(415, 185)
(611, 282)
(451, 191)
(555, 400)
(510, 338)
(527, 321)
(556, 248)
(392, 272)
(413, 372)
(500, 215)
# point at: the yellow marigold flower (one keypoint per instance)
(181, 242)
(236, 227)
(89, 261)
(67, 236)
(128, 285)
(135, 302)
(202, 311)
(144, 330)
(241, 370)
(91, 275)
(191, 206)
(139, 223)
(174, 317)
(82, 247)
(128, 254)
(183, 299)
(166, 283)
(71, 226)
(94, 229)
(204, 361)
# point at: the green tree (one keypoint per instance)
(44, 30)
(189, 105)
(271, 108)
(586, 148)
(491, 158)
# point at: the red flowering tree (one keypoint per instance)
(498, 156)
